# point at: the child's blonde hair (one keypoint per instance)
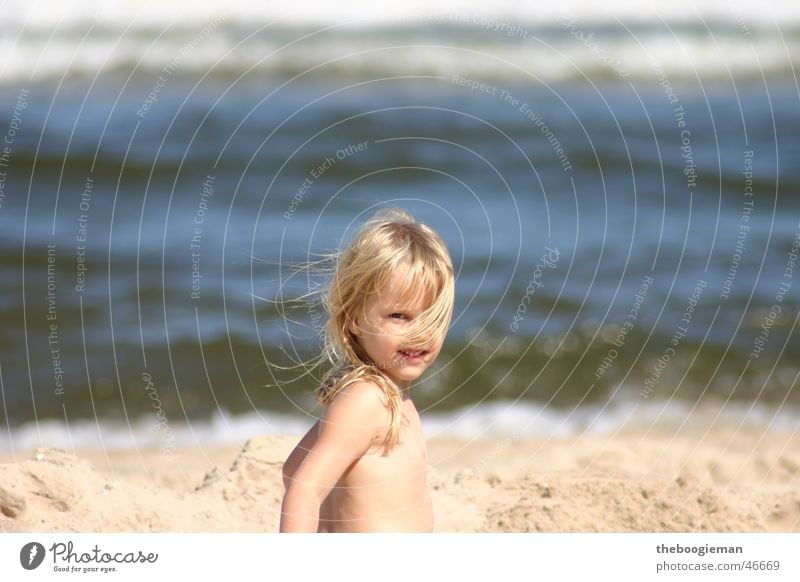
(389, 239)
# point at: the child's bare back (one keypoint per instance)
(377, 491)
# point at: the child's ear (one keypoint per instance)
(352, 326)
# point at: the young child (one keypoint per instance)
(362, 467)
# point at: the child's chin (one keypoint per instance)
(404, 375)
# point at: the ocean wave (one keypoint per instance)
(504, 40)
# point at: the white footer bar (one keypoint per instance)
(387, 557)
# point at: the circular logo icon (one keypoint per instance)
(31, 555)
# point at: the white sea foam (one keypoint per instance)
(44, 14)
(493, 420)
(502, 39)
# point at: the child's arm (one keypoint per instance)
(355, 420)
(296, 459)
(299, 454)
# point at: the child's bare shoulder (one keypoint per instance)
(361, 394)
(362, 402)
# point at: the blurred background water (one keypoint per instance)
(165, 166)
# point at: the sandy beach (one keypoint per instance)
(713, 481)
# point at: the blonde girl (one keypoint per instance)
(362, 466)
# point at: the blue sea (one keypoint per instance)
(619, 189)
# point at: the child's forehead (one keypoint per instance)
(405, 290)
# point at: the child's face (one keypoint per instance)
(380, 331)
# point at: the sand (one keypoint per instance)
(718, 481)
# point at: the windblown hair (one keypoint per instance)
(389, 239)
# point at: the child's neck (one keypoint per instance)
(405, 390)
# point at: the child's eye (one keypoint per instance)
(399, 316)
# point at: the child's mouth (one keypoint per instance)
(413, 355)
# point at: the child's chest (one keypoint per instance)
(406, 462)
